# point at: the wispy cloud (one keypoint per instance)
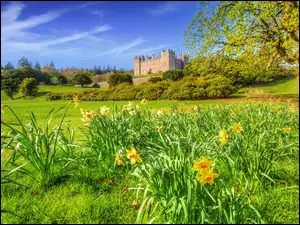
(164, 8)
(149, 50)
(97, 13)
(122, 48)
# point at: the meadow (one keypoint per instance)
(212, 161)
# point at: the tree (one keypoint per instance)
(23, 62)
(81, 78)
(10, 86)
(29, 87)
(9, 66)
(173, 75)
(118, 78)
(37, 66)
(58, 79)
(236, 27)
(52, 64)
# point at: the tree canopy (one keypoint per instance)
(238, 27)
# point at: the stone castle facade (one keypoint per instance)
(166, 60)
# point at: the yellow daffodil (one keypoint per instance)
(207, 176)
(202, 164)
(144, 101)
(118, 160)
(237, 128)
(286, 129)
(85, 121)
(76, 101)
(223, 137)
(104, 111)
(133, 156)
(2, 108)
(159, 129)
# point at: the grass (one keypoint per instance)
(93, 191)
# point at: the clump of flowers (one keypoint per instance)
(144, 101)
(223, 137)
(133, 156)
(237, 128)
(203, 167)
(104, 111)
(87, 116)
(76, 101)
(129, 109)
(287, 129)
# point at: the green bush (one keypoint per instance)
(152, 91)
(10, 86)
(155, 79)
(173, 75)
(118, 78)
(29, 87)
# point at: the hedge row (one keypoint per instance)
(213, 86)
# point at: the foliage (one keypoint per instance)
(155, 79)
(81, 78)
(58, 79)
(118, 78)
(23, 62)
(9, 66)
(29, 87)
(247, 27)
(37, 66)
(173, 75)
(10, 86)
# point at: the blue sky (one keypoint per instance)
(83, 34)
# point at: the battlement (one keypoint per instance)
(164, 61)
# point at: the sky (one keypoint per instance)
(83, 34)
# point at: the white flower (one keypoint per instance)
(159, 112)
(144, 101)
(195, 107)
(104, 111)
(132, 112)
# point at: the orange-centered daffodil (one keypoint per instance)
(133, 156)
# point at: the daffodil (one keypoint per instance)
(144, 101)
(159, 112)
(118, 160)
(207, 176)
(89, 115)
(133, 156)
(85, 121)
(223, 137)
(159, 129)
(286, 129)
(237, 128)
(76, 101)
(2, 108)
(104, 111)
(132, 112)
(202, 164)
(195, 107)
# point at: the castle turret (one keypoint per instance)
(137, 65)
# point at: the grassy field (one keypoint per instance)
(258, 178)
(78, 181)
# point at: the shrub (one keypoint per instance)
(118, 78)
(123, 91)
(173, 75)
(152, 91)
(81, 78)
(10, 86)
(58, 79)
(29, 87)
(155, 79)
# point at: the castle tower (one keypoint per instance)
(137, 65)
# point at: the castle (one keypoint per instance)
(166, 60)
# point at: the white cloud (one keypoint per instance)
(97, 13)
(120, 49)
(164, 8)
(149, 50)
